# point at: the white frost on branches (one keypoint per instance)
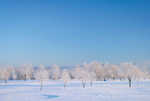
(65, 77)
(27, 70)
(55, 72)
(42, 75)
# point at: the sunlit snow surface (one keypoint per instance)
(19, 90)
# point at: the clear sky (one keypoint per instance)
(70, 32)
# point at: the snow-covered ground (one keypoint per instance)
(19, 90)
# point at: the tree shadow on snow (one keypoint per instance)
(50, 96)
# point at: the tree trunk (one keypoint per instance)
(129, 83)
(64, 86)
(91, 83)
(83, 85)
(24, 77)
(137, 82)
(5, 81)
(41, 86)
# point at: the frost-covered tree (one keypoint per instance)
(145, 68)
(13, 74)
(145, 72)
(6, 73)
(129, 70)
(149, 73)
(115, 72)
(31, 70)
(27, 70)
(65, 77)
(138, 75)
(76, 72)
(84, 77)
(86, 66)
(107, 71)
(55, 72)
(97, 68)
(121, 73)
(92, 77)
(71, 73)
(1, 73)
(42, 75)
(81, 74)
(19, 73)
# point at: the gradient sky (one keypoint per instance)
(70, 32)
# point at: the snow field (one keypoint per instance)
(19, 90)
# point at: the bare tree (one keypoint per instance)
(65, 77)
(42, 75)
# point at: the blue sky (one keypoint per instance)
(70, 32)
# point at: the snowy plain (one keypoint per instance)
(19, 90)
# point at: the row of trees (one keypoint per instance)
(86, 72)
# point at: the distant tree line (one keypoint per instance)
(91, 72)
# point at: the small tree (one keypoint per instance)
(115, 72)
(14, 76)
(76, 72)
(84, 76)
(145, 72)
(1, 73)
(27, 70)
(19, 73)
(55, 72)
(107, 71)
(42, 75)
(92, 77)
(5, 73)
(139, 74)
(65, 77)
(130, 71)
(13, 73)
(99, 70)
